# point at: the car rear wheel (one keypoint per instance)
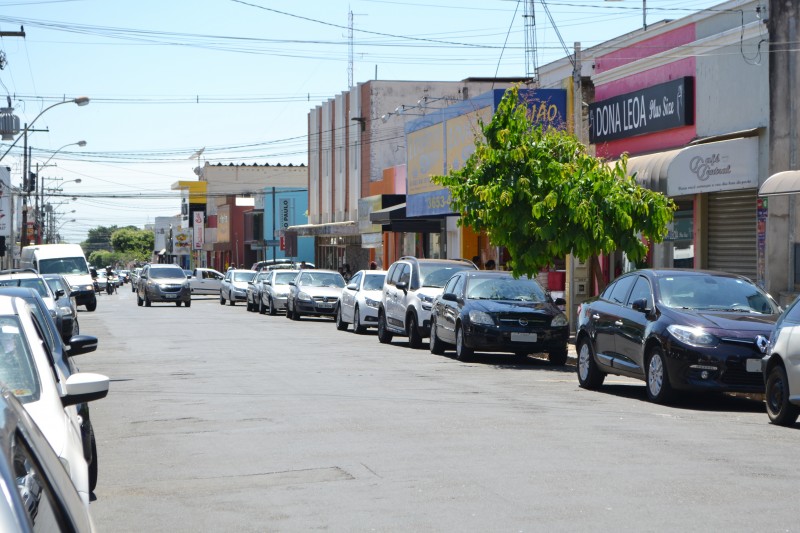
(659, 389)
(589, 375)
(780, 411)
(187, 303)
(384, 335)
(463, 352)
(139, 300)
(147, 301)
(91, 306)
(414, 338)
(341, 325)
(357, 327)
(436, 346)
(221, 299)
(272, 310)
(178, 303)
(261, 307)
(231, 302)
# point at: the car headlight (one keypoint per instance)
(692, 336)
(88, 288)
(481, 317)
(303, 296)
(66, 310)
(558, 321)
(371, 303)
(186, 285)
(425, 298)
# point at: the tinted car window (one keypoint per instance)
(436, 275)
(356, 279)
(714, 293)
(65, 265)
(32, 283)
(620, 292)
(391, 275)
(451, 285)
(793, 313)
(641, 289)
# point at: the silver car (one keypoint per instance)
(234, 286)
(163, 283)
(276, 291)
(781, 368)
(314, 292)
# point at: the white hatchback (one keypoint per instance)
(781, 368)
(360, 299)
(28, 369)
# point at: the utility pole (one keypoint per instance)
(23, 236)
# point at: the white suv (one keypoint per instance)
(407, 297)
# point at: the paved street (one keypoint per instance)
(224, 420)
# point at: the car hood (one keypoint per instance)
(169, 281)
(494, 306)
(321, 291)
(239, 284)
(371, 294)
(738, 323)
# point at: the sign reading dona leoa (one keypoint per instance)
(661, 107)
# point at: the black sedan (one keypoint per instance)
(490, 311)
(676, 329)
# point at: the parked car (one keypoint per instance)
(360, 300)
(135, 278)
(276, 290)
(63, 353)
(28, 277)
(124, 276)
(314, 292)
(205, 281)
(254, 289)
(781, 368)
(65, 301)
(28, 369)
(101, 281)
(234, 286)
(491, 311)
(408, 292)
(163, 283)
(676, 329)
(38, 494)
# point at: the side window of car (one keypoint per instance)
(620, 292)
(356, 279)
(606, 294)
(459, 287)
(451, 286)
(793, 313)
(36, 491)
(405, 273)
(390, 276)
(641, 290)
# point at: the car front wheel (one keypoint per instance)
(558, 356)
(589, 375)
(463, 352)
(436, 346)
(341, 325)
(780, 411)
(414, 338)
(357, 327)
(659, 389)
(384, 335)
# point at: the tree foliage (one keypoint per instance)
(111, 245)
(538, 192)
(134, 242)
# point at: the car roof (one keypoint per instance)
(663, 272)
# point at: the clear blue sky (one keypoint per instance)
(238, 77)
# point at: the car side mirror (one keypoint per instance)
(640, 305)
(84, 387)
(450, 297)
(402, 285)
(292, 283)
(560, 301)
(60, 293)
(80, 344)
(352, 287)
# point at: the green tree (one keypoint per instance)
(133, 243)
(538, 192)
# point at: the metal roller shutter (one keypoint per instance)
(732, 232)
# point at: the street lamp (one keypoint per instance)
(79, 101)
(38, 215)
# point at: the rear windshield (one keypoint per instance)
(31, 283)
(17, 369)
(63, 265)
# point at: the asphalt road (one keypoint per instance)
(224, 420)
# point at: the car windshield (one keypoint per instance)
(517, 290)
(708, 292)
(436, 275)
(374, 282)
(283, 278)
(244, 275)
(17, 368)
(321, 279)
(63, 265)
(31, 283)
(167, 273)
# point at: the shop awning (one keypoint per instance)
(332, 228)
(388, 214)
(652, 170)
(787, 182)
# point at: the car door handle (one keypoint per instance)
(595, 317)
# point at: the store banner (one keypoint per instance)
(713, 167)
(198, 228)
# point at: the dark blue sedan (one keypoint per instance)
(490, 311)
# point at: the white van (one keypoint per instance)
(67, 260)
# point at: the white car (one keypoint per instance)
(360, 300)
(205, 281)
(234, 286)
(27, 369)
(781, 368)
(276, 290)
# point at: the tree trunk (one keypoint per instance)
(597, 272)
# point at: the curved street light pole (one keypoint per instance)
(39, 200)
(79, 101)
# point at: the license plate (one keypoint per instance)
(170, 296)
(523, 337)
(753, 365)
(323, 305)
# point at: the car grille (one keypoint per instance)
(532, 319)
(171, 288)
(326, 299)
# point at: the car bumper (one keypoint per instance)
(501, 339)
(158, 295)
(279, 302)
(85, 296)
(313, 308)
(238, 296)
(725, 368)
